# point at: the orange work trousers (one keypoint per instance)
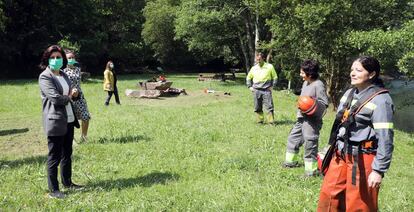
(337, 191)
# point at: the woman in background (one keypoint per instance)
(110, 83)
(80, 105)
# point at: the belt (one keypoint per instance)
(363, 144)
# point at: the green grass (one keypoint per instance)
(195, 152)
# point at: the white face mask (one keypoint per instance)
(111, 65)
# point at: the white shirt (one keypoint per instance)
(65, 86)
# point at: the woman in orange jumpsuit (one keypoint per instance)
(363, 148)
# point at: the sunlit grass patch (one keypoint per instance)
(200, 152)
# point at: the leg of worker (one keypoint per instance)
(310, 132)
(360, 197)
(332, 195)
(268, 103)
(294, 142)
(258, 108)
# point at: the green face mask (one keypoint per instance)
(55, 64)
(71, 62)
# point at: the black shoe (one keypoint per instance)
(73, 186)
(56, 195)
(290, 164)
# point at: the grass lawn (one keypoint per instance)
(196, 152)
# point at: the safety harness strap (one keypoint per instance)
(344, 119)
(334, 132)
(350, 120)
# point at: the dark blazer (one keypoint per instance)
(54, 103)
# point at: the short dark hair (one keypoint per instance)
(262, 54)
(371, 64)
(44, 62)
(311, 68)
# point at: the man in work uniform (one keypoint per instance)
(260, 80)
(307, 127)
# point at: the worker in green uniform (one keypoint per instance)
(260, 80)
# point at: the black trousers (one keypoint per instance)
(60, 151)
(115, 92)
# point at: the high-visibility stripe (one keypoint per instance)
(370, 106)
(311, 166)
(383, 125)
(291, 157)
(353, 102)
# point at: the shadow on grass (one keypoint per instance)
(123, 139)
(284, 122)
(13, 131)
(147, 180)
(17, 82)
(237, 81)
(40, 159)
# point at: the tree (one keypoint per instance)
(392, 47)
(2, 17)
(158, 32)
(218, 29)
(319, 30)
(102, 28)
(117, 36)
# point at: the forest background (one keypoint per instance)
(214, 35)
(201, 151)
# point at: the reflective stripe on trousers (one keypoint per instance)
(338, 193)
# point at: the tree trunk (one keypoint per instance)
(256, 26)
(269, 56)
(336, 80)
(245, 52)
(249, 36)
(289, 84)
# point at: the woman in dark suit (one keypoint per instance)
(58, 118)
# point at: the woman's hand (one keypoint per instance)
(374, 179)
(74, 92)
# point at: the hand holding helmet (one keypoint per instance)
(307, 105)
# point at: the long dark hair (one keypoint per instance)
(371, 64)
(107, 65)
(44, 62)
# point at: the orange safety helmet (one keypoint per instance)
(307, 105)
(162, 78)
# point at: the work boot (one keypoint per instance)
(290, 164)
(315, 173)
(291, 160)
(260, 117)
(270, 118)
